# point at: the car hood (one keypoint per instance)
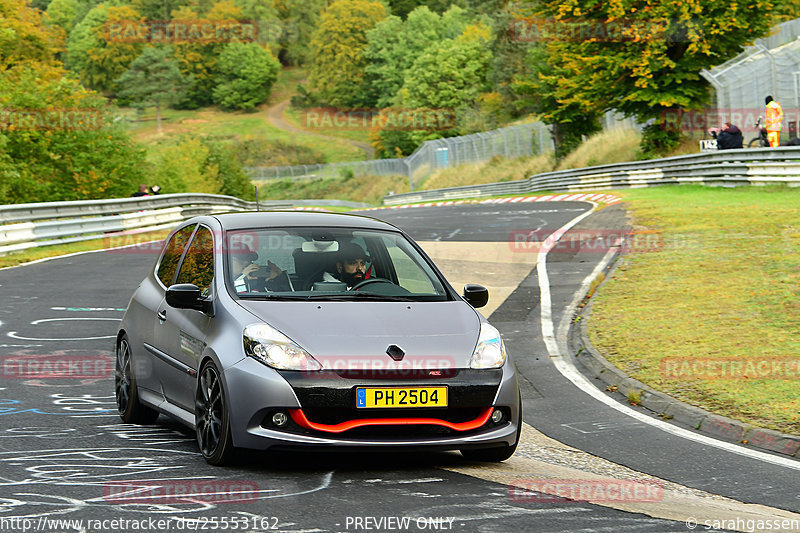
(358, 334)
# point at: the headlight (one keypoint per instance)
(490, 352)
(275, 349)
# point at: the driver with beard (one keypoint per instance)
(350, 265)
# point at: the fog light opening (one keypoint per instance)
(280, 419)
(497, 416)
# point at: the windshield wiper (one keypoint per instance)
(354, 295)
(269, 296)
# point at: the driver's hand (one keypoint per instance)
(273, 270)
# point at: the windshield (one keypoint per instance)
(328, 264)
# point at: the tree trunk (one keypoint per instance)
(158, 115)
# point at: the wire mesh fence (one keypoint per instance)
(770, 67)
(513, 141)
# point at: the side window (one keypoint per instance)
(198, 263)
(172, 254)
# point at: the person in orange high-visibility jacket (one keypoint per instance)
(774, 121)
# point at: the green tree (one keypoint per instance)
(394, 45)
(644, 58)
(95, 54)
(153, 79)
(337, 68)
(450, 74)
(245, 74)
(196, 164)
(448, 79)
(401, 8)
(299, 21)
(265, 15)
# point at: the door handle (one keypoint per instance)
(162, 315)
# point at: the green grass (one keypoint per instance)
(367, 189)
(210, 121)
(286, 84)
(617, 145)
(724, 284)
(495, 170)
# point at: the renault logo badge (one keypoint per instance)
(395, 352)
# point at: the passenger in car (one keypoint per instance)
(248, 276)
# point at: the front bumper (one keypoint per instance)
(323, 413)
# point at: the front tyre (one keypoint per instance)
(130, 408)
(498, 454)
(212, 420)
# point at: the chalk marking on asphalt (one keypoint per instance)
(567, 369)
(13, 334)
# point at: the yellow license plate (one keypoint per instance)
(401, 397)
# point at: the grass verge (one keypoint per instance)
(111, 241)
(705, 315)
(368, 189)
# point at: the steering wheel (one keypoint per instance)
(369, 281)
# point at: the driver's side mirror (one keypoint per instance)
(187, 296)
(476, 295)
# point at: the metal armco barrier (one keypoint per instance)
(30, 225)
(728, 168)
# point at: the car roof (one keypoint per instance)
(261, 219)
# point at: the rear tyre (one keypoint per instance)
(130, 408)
(498, 454)
(212, 421)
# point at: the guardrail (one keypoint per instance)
(728, 168)
(30, 225)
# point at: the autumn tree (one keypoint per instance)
(535, 94)
(97, 55)
(59, 141)
(644, 58)
(337, 67)
(153, 79)
(23, 37)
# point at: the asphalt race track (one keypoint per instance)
(65, 455)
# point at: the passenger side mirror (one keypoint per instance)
(187, 296)
(476, 295)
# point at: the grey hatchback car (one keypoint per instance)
(313, 331)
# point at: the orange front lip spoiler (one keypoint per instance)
(300, 419)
